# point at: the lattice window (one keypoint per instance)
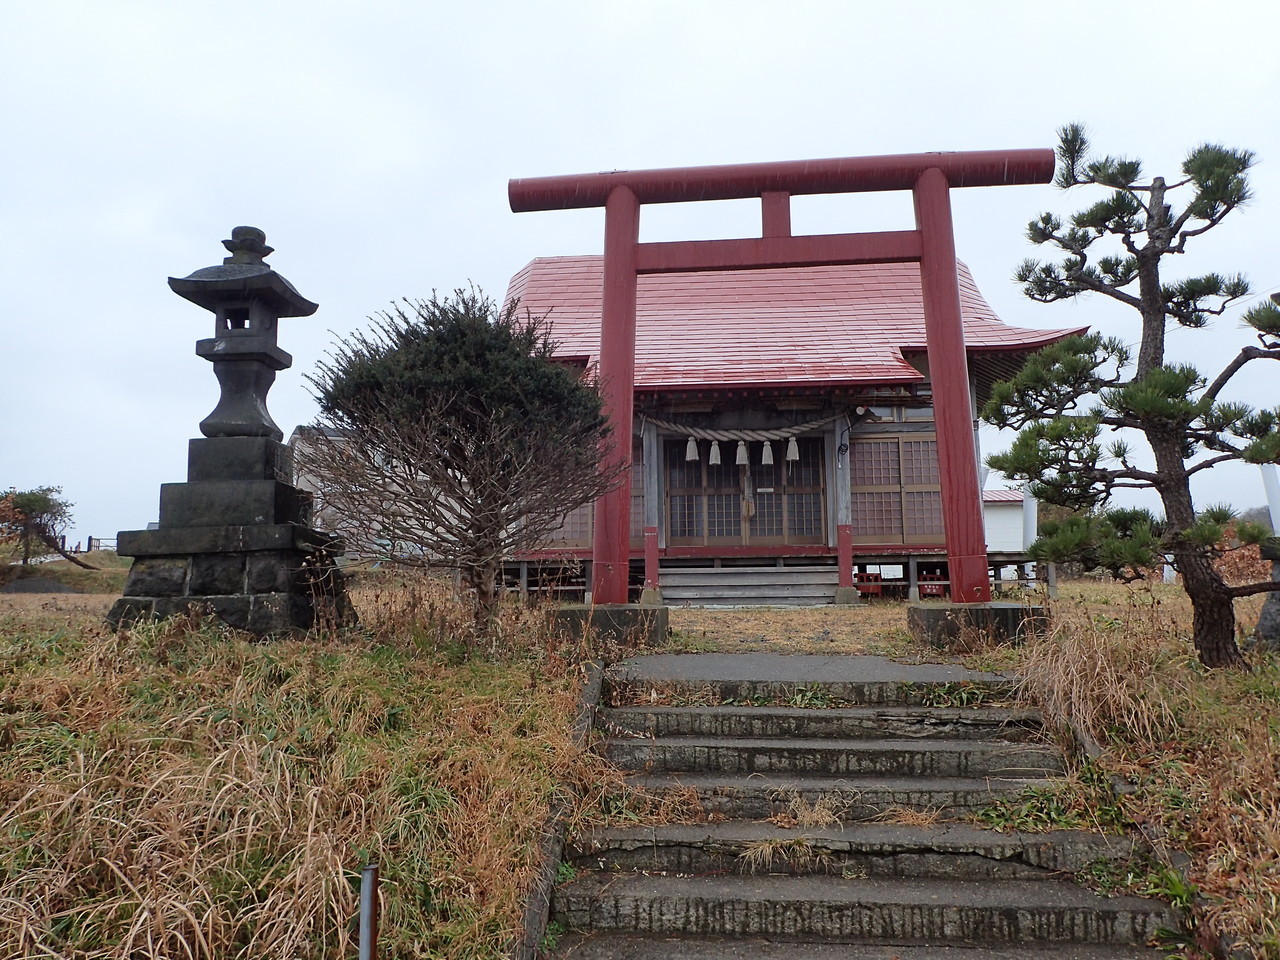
(874, 463)
(878, 514)
(923, 513)
(919, 462)
(768, 519)
(579, 524)
(727, 502)
(686, 516)
(724, 515)
(805, 514)
(637, 496)
(576, 529)
(895, 495)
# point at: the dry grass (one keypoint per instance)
(1202, 747)
(826, 811)
(910, 817)
(180, 791)
(797, 853)
(869, 628)
(108, 575)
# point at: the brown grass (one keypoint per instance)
(870, 628)
(181, 791)
(761, 856)
(107, 577)
(1202, 747)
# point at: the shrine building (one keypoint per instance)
(773, 407)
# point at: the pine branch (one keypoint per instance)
(1252, 589)
(1244, 356)
(1206, 464)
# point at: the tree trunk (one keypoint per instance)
(57, 545)
(483, 577)
(1213, 613)
(1212, 606)
(1151, 346)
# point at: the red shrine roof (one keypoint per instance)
(770, 327)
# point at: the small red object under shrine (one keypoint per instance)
(930, 177)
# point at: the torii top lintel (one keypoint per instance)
(972, 168)
(930, 177)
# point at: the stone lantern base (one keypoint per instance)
(235, 540)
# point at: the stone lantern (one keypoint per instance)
(236, 537)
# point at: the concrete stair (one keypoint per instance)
(748, 586)
(833, 874)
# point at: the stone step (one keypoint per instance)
(763, 796)
(778, 678)
(760, 576)
(787, 598)
(954, 723)
(890, 758)
(805, 907)
(749, 586)
(638, 947)
(954, 850)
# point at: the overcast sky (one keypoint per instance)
(373, 143)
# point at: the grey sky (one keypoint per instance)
(373, 143)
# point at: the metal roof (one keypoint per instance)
(1002, 496)
(757, 328)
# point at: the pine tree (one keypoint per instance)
(1073, 392)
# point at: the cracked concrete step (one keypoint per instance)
(895, 758)
(745, 677)
(954, 850)
(636, 947)
(955, 723)
(800, 907)
(760, 796)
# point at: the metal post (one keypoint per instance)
(1030, 518)
(1272, 487)
(369, 912)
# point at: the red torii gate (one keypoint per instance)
(929, 176)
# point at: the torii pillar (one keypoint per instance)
(930, 177)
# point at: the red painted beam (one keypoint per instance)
(651, 558)
(612, 540)
(952, 404)
(900, 246)
(973, 168)
(775, 214)
(844, 554)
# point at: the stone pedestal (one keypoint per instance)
(240, 548)
(959, 626)
(848, 596)
(628, 625)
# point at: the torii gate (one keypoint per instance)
(929, 176)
